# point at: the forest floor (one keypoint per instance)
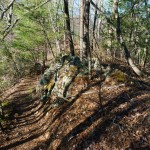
(113, 117)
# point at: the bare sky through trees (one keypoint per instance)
(106, 5)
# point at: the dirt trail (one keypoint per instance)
(122, 122)
(29, 116)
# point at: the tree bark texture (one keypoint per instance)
(68, 29)
(86, 39)
(94, 25)
(81, 27)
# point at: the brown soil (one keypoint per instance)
(116, 117)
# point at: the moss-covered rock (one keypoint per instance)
(6, 110)
(116, 77)
(119, 76)
(58, 82)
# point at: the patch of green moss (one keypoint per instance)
(8, 113)
(6, 103)
(119, 76)
(6, 110)
(30, 89)
(3, 122)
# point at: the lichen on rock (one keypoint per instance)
(58, 81)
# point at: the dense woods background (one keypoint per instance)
(36, 33)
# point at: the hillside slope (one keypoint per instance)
(113, 117)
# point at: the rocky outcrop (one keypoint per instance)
(57, 79)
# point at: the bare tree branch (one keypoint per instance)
(7, 8)
(9, 18)
(6, 32)
(40, 5)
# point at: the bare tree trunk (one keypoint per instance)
(13, 62)
(48, 41)
(72, 16)
(99, 22)
(146, 51)
(81, 27)
(94, 26)
(68, 29)
(86, 38)
(144, 57)
(64, 38)
(44, 55)
(55, 30)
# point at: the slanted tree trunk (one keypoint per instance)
(68, 29)
(8, 17)
(6, 9)
(120, 37)
(121, 40)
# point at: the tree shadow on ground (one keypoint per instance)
(100, 113)
(64, 108)
(68, 105)
(140, 144)
(101, 128)
(68, 140)
(32, 134)
(26, 107)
